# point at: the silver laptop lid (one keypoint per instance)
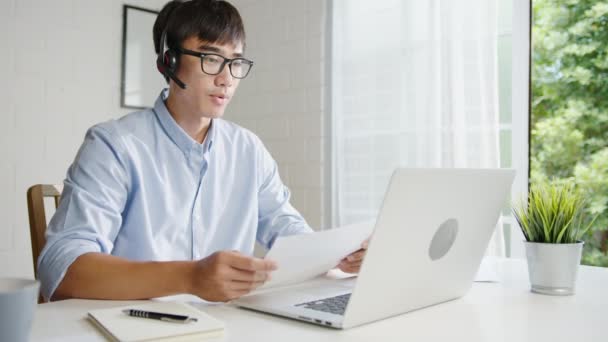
(432, 231)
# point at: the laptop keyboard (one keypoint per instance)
(335, 305)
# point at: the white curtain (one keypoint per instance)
(414, 84)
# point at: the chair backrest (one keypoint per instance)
(35, 207)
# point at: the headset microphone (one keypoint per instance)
(171, 75)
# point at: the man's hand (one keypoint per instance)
(352, 263)
(228, 275)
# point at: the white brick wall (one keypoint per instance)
(282, 100)
(60, 70)
(61, 74)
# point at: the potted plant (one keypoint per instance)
(553, 222)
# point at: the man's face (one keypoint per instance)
(206, 95)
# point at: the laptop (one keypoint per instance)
(428, 241)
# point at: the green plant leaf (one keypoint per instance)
(553, 213)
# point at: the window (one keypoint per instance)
(570, 106)
(421, 84)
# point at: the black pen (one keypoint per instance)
(159, 316)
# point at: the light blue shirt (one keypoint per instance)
(142, 189)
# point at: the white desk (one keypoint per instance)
(505, 311)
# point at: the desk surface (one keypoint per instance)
(505, 311)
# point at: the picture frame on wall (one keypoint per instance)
(140, 81)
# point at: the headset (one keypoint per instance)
(167, 61)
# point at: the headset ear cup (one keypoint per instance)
(171, 60)
(167, 61)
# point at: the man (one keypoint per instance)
(172, 199)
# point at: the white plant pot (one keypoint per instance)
(553, 266)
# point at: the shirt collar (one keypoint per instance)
(177, 133)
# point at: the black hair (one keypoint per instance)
(213, 21)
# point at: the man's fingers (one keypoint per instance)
(350, 264)
(350, 268)
(245, 285)
(241, 275)
(356, 256)
(247, 263)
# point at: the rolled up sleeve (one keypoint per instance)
(89, 215)
(276, 215)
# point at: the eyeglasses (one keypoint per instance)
(213, 64)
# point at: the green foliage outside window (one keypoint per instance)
(569, 137)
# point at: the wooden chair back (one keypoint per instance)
(35, 206)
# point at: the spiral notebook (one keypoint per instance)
(118, 326)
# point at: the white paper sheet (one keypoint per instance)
(305, 256)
